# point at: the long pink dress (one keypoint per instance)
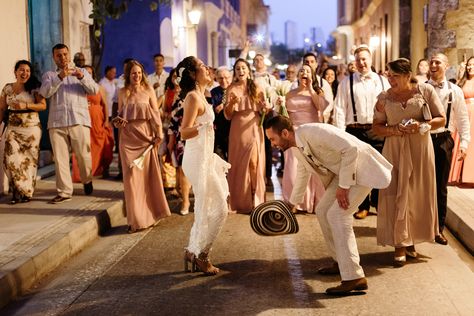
(301, 111)
(246, 136)
(145, 198)
(462, 172)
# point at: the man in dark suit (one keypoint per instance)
(222, 125)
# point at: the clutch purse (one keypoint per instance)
(425, 109)
(426, 112)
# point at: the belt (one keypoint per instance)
(360, 126)
(21, 111)
(440, 134)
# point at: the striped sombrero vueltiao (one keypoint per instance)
(273, 218)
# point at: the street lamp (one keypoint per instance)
(374, 41)
(259, 38)
(194, 17)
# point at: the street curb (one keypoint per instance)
(45, 172)
(459, 218)
(460, 227)
(19, 275)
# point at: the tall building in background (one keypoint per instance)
(316, 35)
(291, 35)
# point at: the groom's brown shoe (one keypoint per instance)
(329, 270)
(348, 286)
(440, 239)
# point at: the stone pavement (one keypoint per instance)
(259, 276)
(37, 237)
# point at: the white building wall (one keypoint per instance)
(76, 24)
(14, 35)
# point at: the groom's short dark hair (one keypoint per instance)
(278, 123)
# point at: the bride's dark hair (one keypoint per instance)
(186, 72)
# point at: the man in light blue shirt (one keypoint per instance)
(69, 120)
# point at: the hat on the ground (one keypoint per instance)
(273, 218)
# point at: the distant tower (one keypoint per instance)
(291, 35)
(316, 35)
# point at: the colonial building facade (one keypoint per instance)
(412, 29)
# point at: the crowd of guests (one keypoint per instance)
(201, 130)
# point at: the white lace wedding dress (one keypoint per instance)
(207, 173)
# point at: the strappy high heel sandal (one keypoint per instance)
(189, 258)
(204, 264)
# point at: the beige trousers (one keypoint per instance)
(78, 138)
(336, 225)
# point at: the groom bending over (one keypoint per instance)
(349, 169)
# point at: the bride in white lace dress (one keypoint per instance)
(205, 170)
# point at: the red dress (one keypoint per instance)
(102, 139)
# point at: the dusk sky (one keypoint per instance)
(306, 13)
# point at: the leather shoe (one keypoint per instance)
(361, 214)
(88, 188)
(399, 262)
(329, 270)
(440, 239)
(411, 252)
(348, 286)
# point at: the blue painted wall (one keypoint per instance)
(136, 35)
(44, 34)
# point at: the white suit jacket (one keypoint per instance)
(328, 151)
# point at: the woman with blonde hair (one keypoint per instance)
(140, 133)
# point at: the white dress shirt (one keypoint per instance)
(366, 89)
(161, 78)
(68, 105)
(265, 80)
(110, 87)
(459, 117)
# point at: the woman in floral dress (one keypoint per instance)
(23, 133)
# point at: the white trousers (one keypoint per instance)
(336, 225)
(78, 138)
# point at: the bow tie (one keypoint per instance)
(365, 77)
(437, 85)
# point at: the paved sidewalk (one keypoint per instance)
(37, 237)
